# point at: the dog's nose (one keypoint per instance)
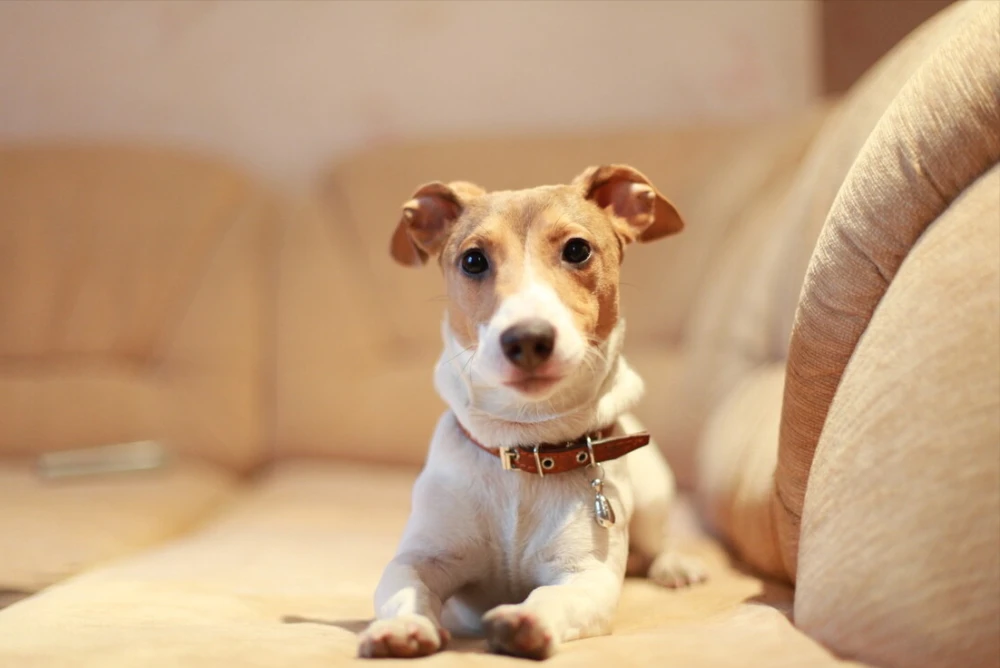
(528, 343)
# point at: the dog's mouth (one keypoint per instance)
(533, 385)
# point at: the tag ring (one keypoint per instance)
(590, 450)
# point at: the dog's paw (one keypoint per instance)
(514, 631)
(401, 637)
(676, 571)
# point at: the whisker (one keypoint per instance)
(460, 353)
(469, 361)
(596, 350)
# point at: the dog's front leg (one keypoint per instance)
(578, 605)
(408, 603)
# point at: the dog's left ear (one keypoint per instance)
(427, 220)
(631, 197)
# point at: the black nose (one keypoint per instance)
(528, 343)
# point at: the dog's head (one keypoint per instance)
(532, 275)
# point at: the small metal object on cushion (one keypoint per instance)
(102, 460)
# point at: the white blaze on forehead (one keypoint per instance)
(535, 298)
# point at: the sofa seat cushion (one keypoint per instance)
(54, 529)
(286, 576)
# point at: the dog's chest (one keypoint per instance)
(516, 531)
(535, 527)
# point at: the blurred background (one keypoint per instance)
(286, 87)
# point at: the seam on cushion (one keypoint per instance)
(778, 503)
(847, 236)
(158, 358)
(340, 204)
(784, 503)
(239, 211)
(274, 239)
(69, 288)
(177, 301)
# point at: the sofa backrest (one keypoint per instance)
(131, 306)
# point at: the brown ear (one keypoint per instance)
(427, 219)
(647, 214)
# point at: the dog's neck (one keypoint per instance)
(605, 389)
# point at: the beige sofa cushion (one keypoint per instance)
(287, 577)
(939, 134)
(132, 301)
(54, 529)
(899, 557)
(342, 387)
(736, 463)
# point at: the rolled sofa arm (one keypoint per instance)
(899, 550)
(887, 504)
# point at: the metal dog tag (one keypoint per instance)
(604, 514)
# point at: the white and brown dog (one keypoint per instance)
(536, 496)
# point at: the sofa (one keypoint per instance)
(821, 348)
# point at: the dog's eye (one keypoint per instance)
(474, 262)
(576, 251)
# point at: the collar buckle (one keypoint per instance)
(507, 458)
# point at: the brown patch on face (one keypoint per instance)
(524, 232)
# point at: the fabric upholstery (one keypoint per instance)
(342, 386)
(939, 134)
(55, 529)
(736, 461)
(899, 559)
(131, 301)
(286, 578)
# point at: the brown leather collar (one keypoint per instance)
(548, 458)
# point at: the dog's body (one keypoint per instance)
(518, 556)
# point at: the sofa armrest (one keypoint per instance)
(899, 551)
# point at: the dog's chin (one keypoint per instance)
(534, 387)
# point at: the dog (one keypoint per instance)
(537, 496)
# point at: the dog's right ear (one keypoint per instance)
(427, 220)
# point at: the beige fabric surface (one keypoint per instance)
(55, 529)
(341, 385)
(721, 347)
(286, 578)
(899, 560)
(736, 461)
(940, 133)
(131, 301)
